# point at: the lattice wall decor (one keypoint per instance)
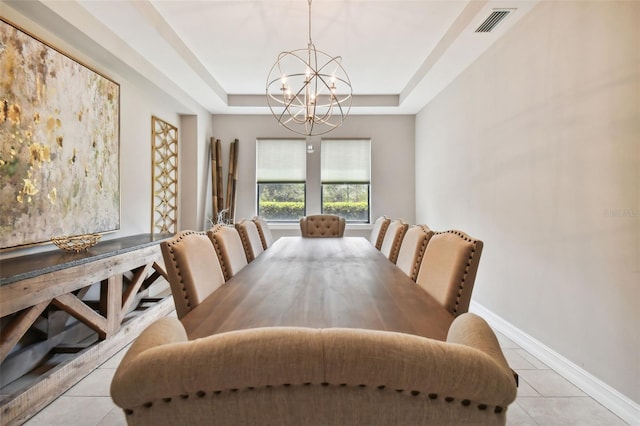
(164, 210)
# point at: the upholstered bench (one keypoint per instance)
(305, 376)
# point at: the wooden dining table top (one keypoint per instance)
(320, 283)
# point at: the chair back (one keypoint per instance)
(250, 239)
(192, 267)
(412, 249)
(377, 233)
(307, 376)
(448, 269)
(393, 239)
(322, 225)
(228, 245)
(265, 232)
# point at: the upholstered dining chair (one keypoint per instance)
(250, 238)
(228, 245)
(193, 269)
(412, 249)
(322, 225)
(379, 229)
(393, 239)
(448, 269)
(265, 232)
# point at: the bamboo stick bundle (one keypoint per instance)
(220, 200)
(227, 204)
(234, 186)
(214, 180)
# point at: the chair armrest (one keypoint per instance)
(164, 331)
(471, 330)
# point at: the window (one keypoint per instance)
(345, 175)
(281, 168)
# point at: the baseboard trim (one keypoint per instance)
(615, 401)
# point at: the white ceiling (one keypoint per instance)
(398, 53)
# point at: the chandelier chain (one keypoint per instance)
(310, 42)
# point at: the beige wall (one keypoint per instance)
(535, 149)
(392, 145)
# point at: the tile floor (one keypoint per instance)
(544, 398)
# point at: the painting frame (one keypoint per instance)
(60, 152)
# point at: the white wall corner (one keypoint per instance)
(612, 399)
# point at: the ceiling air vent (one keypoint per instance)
(496, 16)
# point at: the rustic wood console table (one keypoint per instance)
(57, 326)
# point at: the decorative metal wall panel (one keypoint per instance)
(164, 213)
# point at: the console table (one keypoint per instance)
(65, 313)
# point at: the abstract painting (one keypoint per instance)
(59, 158)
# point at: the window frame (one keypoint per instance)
(259, 182)
(347, 182)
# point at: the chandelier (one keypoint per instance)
(308, 91)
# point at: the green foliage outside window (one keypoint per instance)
(349, 200)
(352, 212)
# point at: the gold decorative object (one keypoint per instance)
(77, 243)
(164, 205)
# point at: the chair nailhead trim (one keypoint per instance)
(466, 271)
(465, 402)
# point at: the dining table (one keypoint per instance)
(320, 283)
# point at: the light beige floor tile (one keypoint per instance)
(549, 383)
(114, 361)
(505, 342)
(73, 411)
(524, 389)
(516, 416)
(95, 384)
(582, 411)
(532, 359)
(516, 360)
(114, 418)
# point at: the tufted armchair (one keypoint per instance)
(304, 376)
(448, 269)
(192, 267)
(322, 225)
